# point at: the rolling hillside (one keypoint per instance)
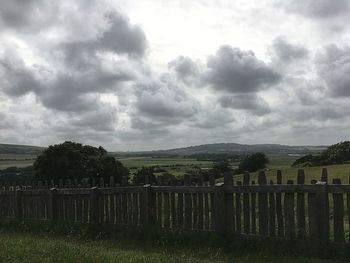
(238, 149)
(20, 149)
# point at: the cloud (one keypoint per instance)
(162, 102)
(73, 75)
(250, 102)
(184, 67)
(19, 14)
(16, 79)
(237, 71)
(319, 8)
(287, 52)
(123, 37)
(333, 66)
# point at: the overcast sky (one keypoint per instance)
(157, 74)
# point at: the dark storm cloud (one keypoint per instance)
(333, 66)
(318, 8)
(287, 52)
(250, 102)
(237, 71)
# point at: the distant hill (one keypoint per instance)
(20, 149)
(239, 149)
(234, 148)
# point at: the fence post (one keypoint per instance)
(263, 206)
(322, 213)
(18, 205)
(220, 209)
(230, 218)
(53, 208)
(148, 206)
(94, 209)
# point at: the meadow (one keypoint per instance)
(179, 165)
(19, 160)
(30, 247)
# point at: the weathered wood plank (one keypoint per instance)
(312, 213)
(212, 202)
(253, 212)
(301, 206)
(166, 211)
(272, 213)
(220, 212)
(230, 222)
(263, 206)
(338, 215)
(188, 204)
(279, 211)
(200, 205)
(238, 213)
(289, 213)
(135, 209)
(246, 205)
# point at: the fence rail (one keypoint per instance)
(316, 211)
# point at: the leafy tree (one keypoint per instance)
(253, 162)
(338, 153)
(74, 160)
(220, 168)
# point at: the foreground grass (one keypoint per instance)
(25, 247)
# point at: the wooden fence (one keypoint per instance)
(316, 211)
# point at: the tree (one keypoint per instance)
(253, 162)
(71, 160)
(338, 153)
(220, 168)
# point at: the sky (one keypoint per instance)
(158, 74)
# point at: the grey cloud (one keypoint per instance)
(319, 8)
(102, 119)
(119, 37)
(16, 79)
(78, 70)
(24, 13)
(184, 66)
(237, 71)
(287, 52)
(122, 37)
(249, 102)
(165, 104)
(213, 118)
(149, 128)
(333, 66)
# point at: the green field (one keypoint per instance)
(15, 247)
(176, 165)
(179, 165)
(19, 160)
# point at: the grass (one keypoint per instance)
(25, 247)
(176, 165)
(19, 160)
